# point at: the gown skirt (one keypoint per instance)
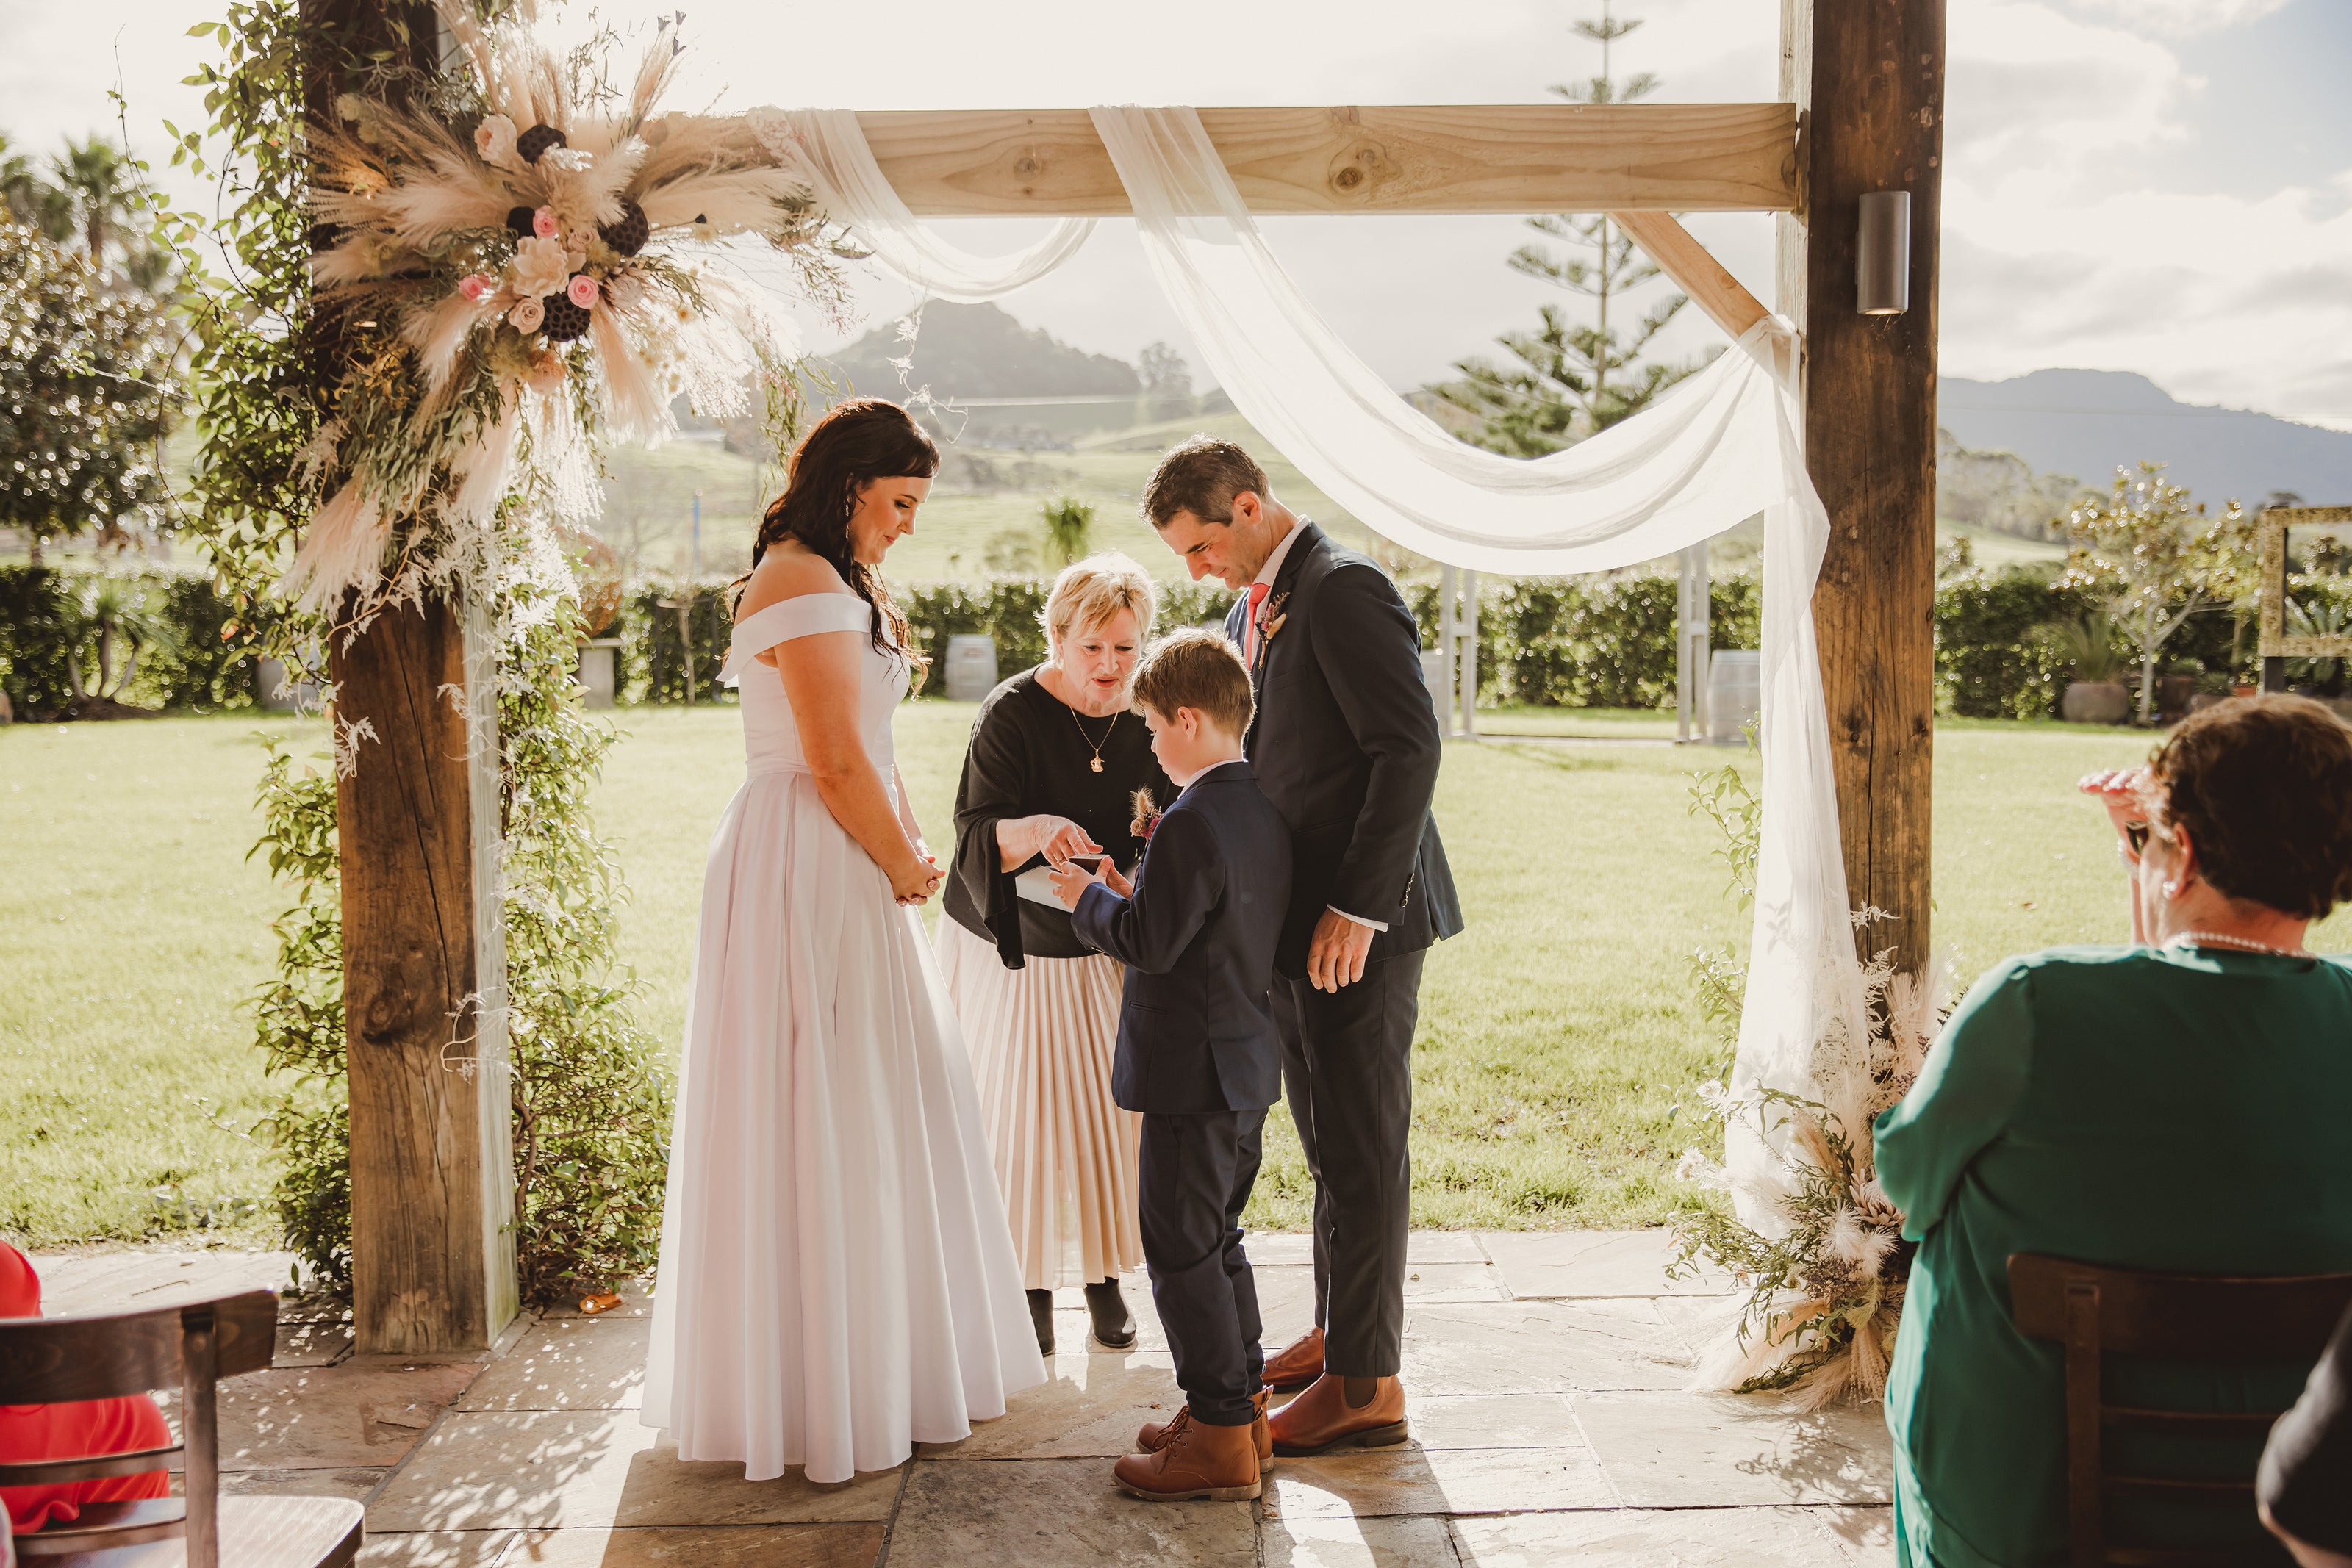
(836, 1279)
(1042, 1038)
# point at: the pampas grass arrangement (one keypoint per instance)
(487, 354)
(1827, 1269)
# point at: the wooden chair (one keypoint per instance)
(2094, 1311)
(51, 1361)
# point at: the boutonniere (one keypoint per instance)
(1147, 816)
(1274, 617)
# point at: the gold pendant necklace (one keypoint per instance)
(1096, 765)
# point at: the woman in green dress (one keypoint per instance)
(2179, 1103)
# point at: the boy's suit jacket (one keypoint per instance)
(1195, 1024)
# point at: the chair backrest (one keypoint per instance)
(106, 1356)
(2092, 1310)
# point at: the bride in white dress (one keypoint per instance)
(836, 1282)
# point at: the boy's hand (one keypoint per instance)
(1070, 882)
(1116, 883)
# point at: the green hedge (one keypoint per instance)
(1543, 641)
(41, 625)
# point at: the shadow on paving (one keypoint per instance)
(1547, 1381)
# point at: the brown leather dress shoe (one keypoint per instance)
(1321, 1418)
(1297, 1364)
(1153, 1435)
(1198, 1460)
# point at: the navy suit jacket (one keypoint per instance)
(1195, 1022)
(1346, 745)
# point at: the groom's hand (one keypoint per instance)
(1334, 957)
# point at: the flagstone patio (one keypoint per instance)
(1546, 1374)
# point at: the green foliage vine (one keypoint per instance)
(591, 1100)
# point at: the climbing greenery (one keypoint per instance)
(591, 1101)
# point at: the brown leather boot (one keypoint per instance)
(1153, 1435)
(1321, 1418)
(1297, 1364)
(1198, 1460)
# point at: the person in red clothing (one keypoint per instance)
(81, 1430)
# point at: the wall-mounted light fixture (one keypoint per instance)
(1881, 268)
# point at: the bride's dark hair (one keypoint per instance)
(858, 441)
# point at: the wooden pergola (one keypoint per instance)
(1861, 110)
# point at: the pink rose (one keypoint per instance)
(474, 287)
(527, 315)
(542, 222)
(583, 291)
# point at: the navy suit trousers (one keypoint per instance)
(1194, 1180)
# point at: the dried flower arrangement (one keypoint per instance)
(1825, 1264)
(519, 266)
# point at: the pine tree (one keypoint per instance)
(1573, 377)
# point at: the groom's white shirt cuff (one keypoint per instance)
(1375, 924)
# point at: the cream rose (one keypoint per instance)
(494, 138)
(539, 266)
(527, 315)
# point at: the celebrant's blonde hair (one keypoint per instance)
(1090, 591)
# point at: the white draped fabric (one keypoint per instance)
(1721, 447)
(830, 147)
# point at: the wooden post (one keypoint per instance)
(423, 957)
(1867, 78)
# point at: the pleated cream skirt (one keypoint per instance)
(1041, 1040)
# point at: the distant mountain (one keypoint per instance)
(979, 351)
(2087, 423)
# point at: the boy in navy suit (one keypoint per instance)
(1198, 1055)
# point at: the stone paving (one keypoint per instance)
(1546, 1374)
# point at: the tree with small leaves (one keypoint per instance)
(1573, 377)
(2148, 548)
(1167, 380)
(86, 393)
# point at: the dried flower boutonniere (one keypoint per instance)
(1147, 816)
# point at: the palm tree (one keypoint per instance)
(111, 617)
(95, 178)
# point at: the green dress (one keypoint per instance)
(2171, 1108)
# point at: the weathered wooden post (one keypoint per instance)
(1867, 78)
(433, 1259)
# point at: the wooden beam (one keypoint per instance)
(1869, 76)
(1693, 270)
(1486, 158)
(432, 1176)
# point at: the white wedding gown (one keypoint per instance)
(836, 1282)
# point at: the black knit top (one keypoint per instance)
(1031, 753)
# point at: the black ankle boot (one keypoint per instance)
(1114, 1328)
(1041, 1313)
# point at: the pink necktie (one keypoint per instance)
(1259, 590)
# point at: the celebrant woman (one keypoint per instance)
(836, 1283)
(1055, 768)
(2174, 1104)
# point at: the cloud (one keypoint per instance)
(2184, 18)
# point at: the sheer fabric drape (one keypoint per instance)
(830, 147)
(1721, 447)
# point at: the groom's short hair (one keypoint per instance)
(1198, 669)
(1202, 476)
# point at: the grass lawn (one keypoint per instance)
(1557, 1049)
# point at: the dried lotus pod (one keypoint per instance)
(564, 319)
(538, 139)
(627, 234)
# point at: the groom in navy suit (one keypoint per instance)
(1346, 745)
(1197, 1055)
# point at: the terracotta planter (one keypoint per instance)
(2095, 701)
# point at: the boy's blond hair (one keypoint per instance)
(1198, 669)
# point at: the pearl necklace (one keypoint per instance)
(2218, 939)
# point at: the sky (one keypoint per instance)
(2162, 186)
